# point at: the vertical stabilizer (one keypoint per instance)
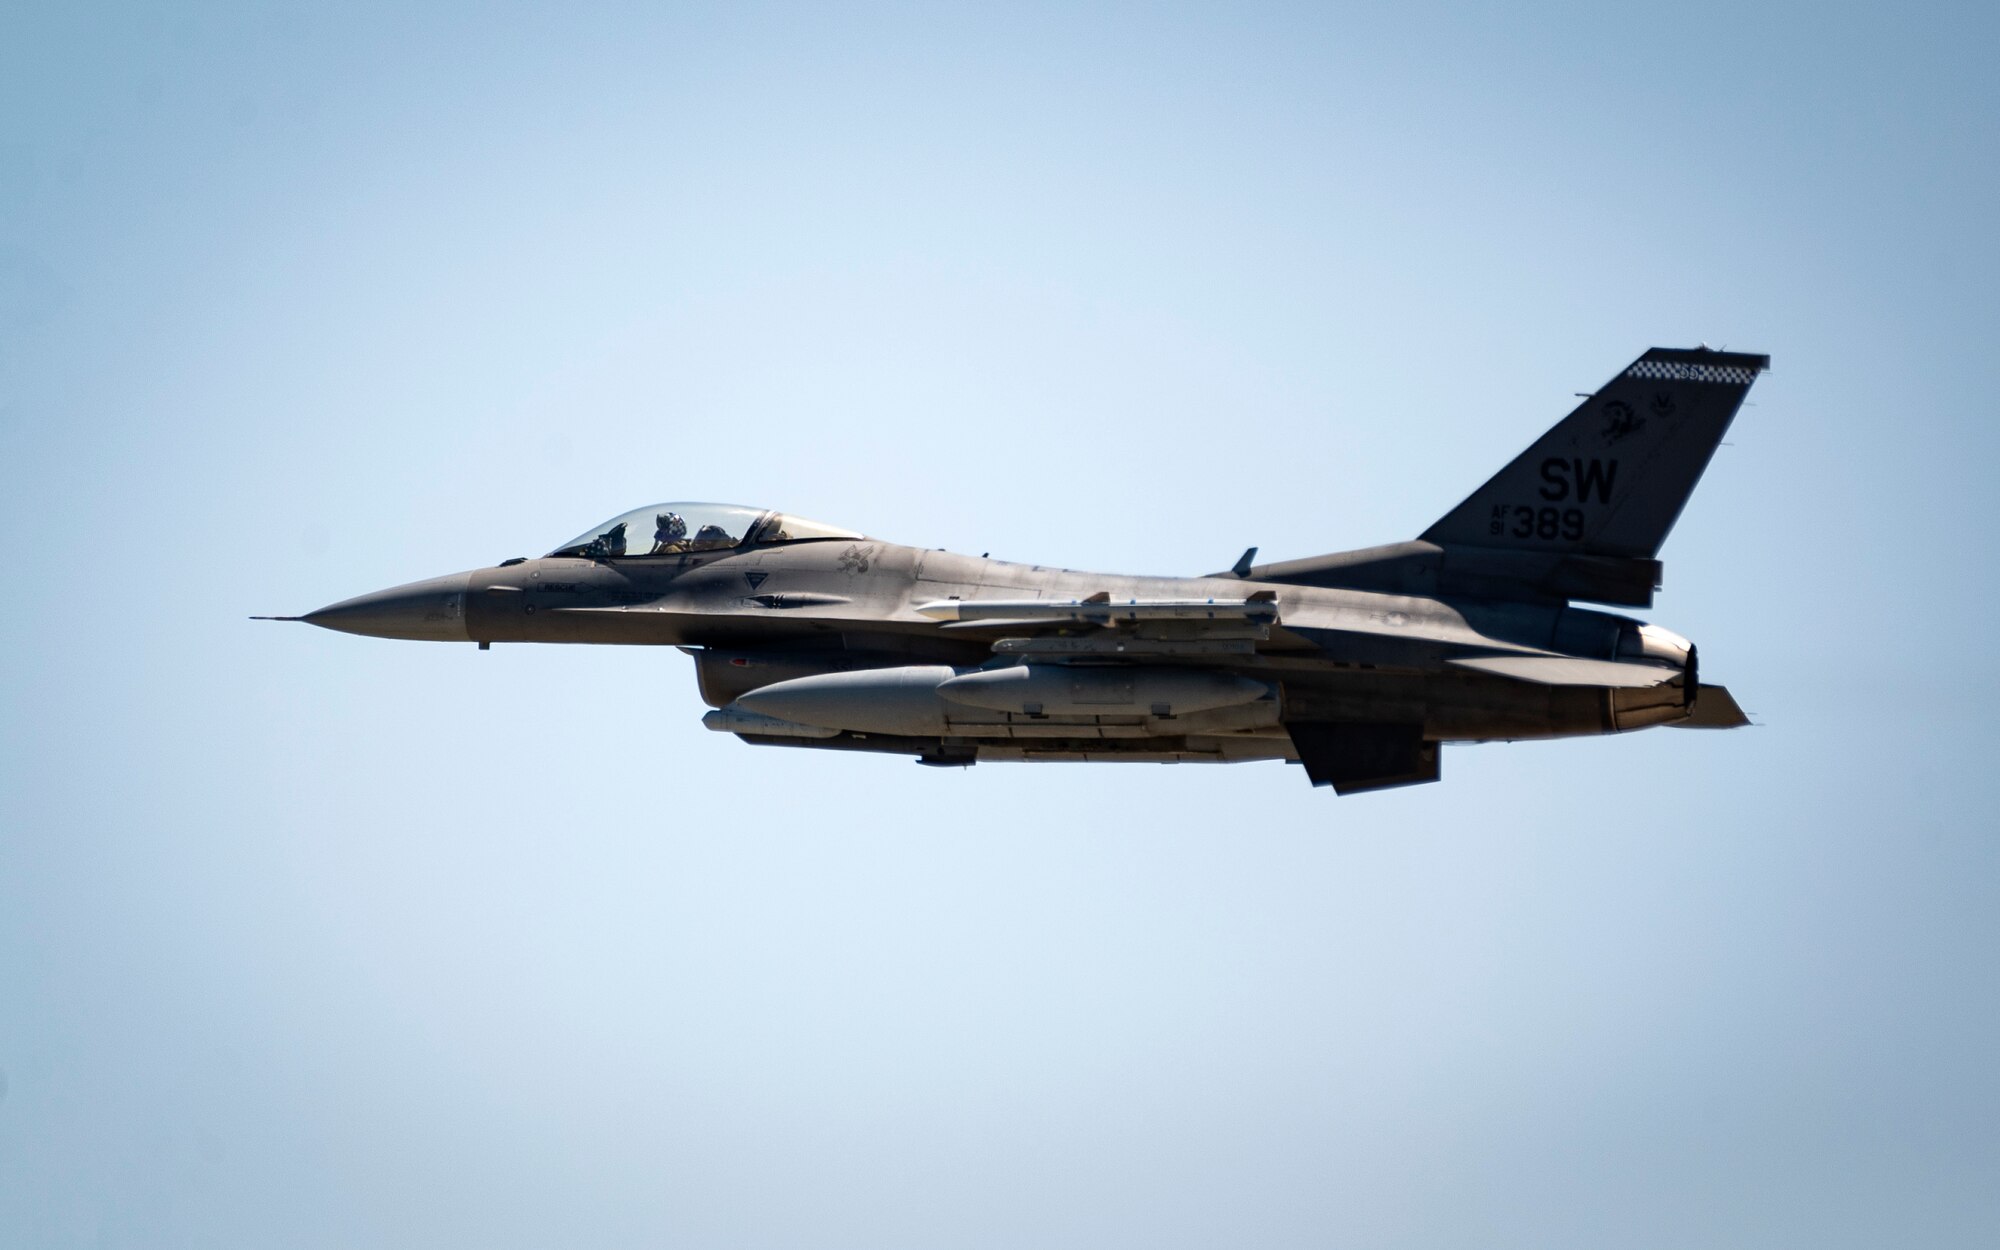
(1611, 478)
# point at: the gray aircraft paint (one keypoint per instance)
(1357, 664)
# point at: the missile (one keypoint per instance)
(1100, 609)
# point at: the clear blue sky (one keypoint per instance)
(313, 940)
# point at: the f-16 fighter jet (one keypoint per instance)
(1358, 665)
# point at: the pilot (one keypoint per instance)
(712, 538)
(669, 533)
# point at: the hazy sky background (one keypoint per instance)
(313, 940)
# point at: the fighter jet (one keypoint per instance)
(1358, 665)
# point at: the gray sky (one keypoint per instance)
(313, 940)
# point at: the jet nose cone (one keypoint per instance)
(430, 611)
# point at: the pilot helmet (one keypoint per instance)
(669, 527)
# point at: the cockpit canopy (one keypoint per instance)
(667, 529)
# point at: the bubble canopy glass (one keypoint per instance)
(668, 529)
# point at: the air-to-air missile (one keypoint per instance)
(1357, 665)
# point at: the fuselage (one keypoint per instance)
(759, 614)
(1356, 664)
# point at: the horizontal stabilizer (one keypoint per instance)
(1714, 708)
(1356, 757)
(1563, 670)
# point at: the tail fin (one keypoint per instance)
(1610, 478)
